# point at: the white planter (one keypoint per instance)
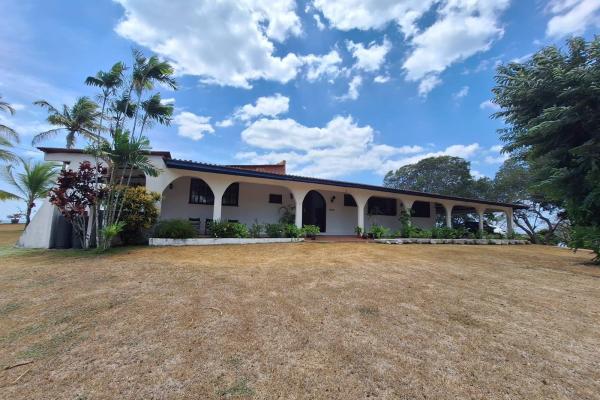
(217, 241)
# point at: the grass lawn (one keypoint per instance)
(297, 321)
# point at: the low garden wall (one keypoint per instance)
(217, 241)
(451, 241)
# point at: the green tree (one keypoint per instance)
(139, 213)
(32, 184)
(541, 220)
(80, 119)
(441, 175)
(551, 104)
(7, 135)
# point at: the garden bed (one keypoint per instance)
(451, 241)
(218, 241)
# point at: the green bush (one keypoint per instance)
(291, 231)
(224, 229)
(586, 237)
(378, 231)
(275, 230)
(139, 213)
(175, 229)
(256, 229)
(310, 231)
(419, 233)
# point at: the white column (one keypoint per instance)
(407, 205)
(448, 207)
(299, 198)
(509, 221)
(218, 188)
(480, 212)
(361, 202)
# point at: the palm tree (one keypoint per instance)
(32, 184)
(6, 135)
(156, 110)
(146, 73)
(109, 82)
(80, 120)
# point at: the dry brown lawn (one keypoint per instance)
(300, 321)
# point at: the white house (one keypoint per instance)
(247, 193)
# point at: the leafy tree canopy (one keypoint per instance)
(441, 175)
(551, 104)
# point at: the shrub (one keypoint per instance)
(419, 233)
(358, 230)
(224, 229)
(139, 213)
(310, 231)
(378, 231)
(175, 229)
(256, 229)
(275, 230)
(586, 237)
(291, 231)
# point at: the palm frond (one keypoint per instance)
(8, 132)
(7, 107)
(46, 105)
(40, 137)
(4, 195)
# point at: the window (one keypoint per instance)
(420, 209)
(231, 195)
(200, 193)
(349, 201)
(381, 206)
(275, 198)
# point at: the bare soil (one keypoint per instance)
(300, 321)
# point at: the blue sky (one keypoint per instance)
(345, 89)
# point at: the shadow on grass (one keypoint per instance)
(12, 251)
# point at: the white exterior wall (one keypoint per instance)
(254, 201)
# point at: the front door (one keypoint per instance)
(314, 210)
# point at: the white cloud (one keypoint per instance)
(463, 92)
(342, 147)
(381, 79)
(353, 87)
(374, 14)
(192, 126)
(572, 17)
(489, 105)
(369, 58)
(462, 29)
(169, 100)
(226, 43)
(327, 65)
(427, 84)
(269, 106)
(18, 106)
(495, 155)
(320, 25)
(226, 123)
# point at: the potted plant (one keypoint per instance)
(359, 231)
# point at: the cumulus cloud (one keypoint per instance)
(495, 155)
(269, 106)
(463, 92)
(371, 57)
(226, 43)
(265, 106)
(327, 65)
(572, 17)
(374, 14)
(381, 79)
(462, 29)
(489, 105)
(427, 84)
(339, 148)
(320, 25)
(353, 87)
(192, 126)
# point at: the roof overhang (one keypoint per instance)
(219, 169)
(57, 150)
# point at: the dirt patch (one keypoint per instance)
(311, 320)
